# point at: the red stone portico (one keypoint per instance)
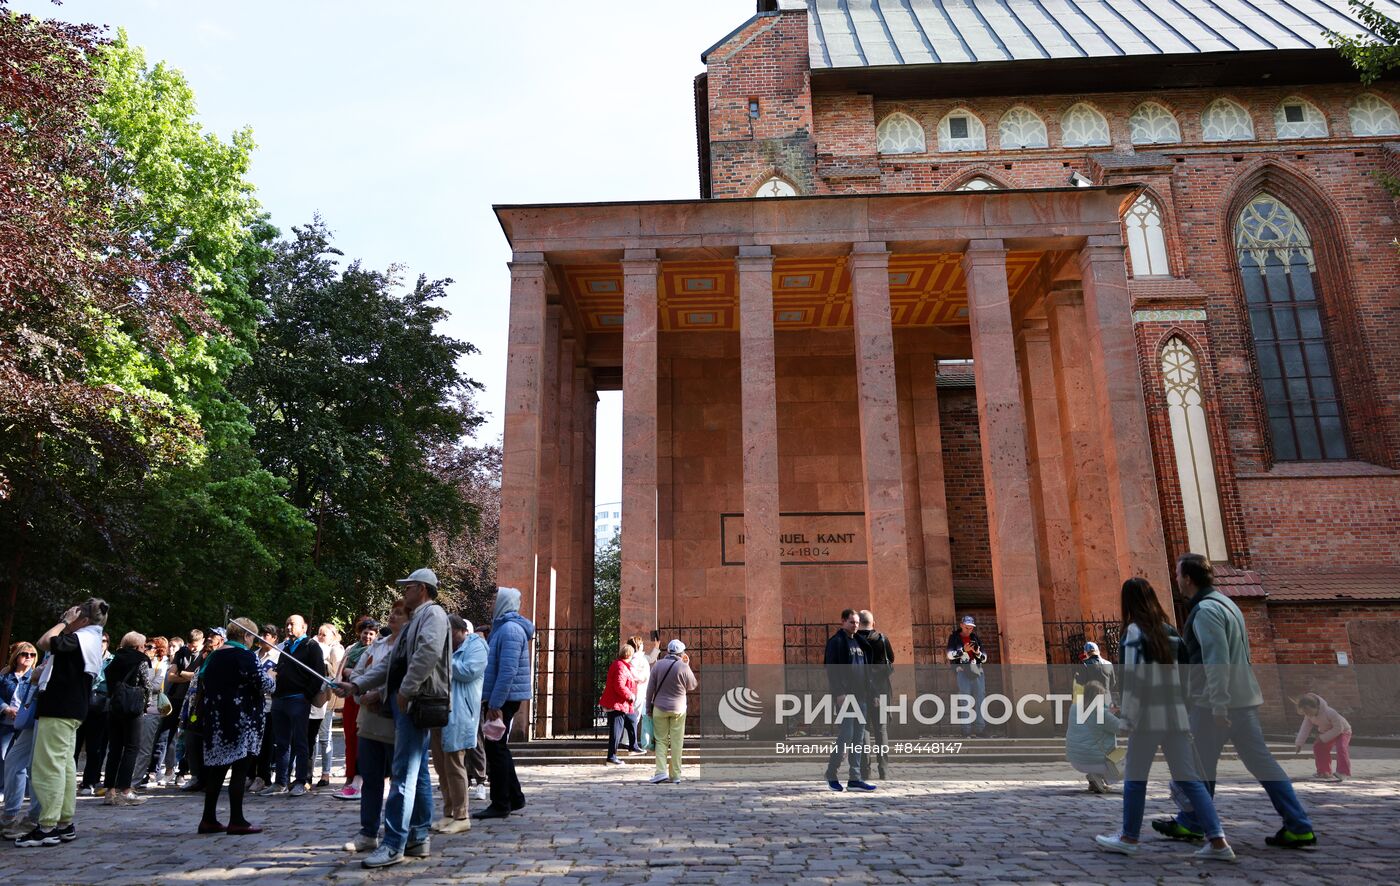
(777, 359)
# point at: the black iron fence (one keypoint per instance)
(1064, 645)
(717, 657)
(569, 679)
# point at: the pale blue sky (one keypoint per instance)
(402, 123)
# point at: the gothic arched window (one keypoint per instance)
(1152, 124)
(1279, 276)
(899, 134)
(1226, 121)
(775, 187)
(1082, 126)
(960, 130)
(1299, 118)
(1195, 468)
(1021, 128)
(1373, 115)
(1147, 242)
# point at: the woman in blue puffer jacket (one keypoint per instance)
(506, 684)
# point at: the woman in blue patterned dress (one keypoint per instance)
(231, 687)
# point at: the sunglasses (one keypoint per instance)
(26, 655)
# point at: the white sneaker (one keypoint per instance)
(298, 790)
(658, 778)
(1210, 853)
(456, 826)
(676, 780)
(1115, 844)
(479, 792)
(441, 823)
(382, 857)
(361, 843)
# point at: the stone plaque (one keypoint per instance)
(808, 538)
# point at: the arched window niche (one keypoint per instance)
(1195, 467)
(1147, 241)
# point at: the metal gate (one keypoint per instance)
(568, 682)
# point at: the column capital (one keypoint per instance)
(1102, 248)
(640, 261)
(1036, 328)
(527, 264)
(870, 254)
(980, 252)
(1064, 293)
(754, 258)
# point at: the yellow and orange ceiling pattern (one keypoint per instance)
(808, 293)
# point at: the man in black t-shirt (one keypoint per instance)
(291, 709)
(75, 656)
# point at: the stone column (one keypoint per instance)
(583, 695)
(763, 585)
(520, 456)
(1122, 414)
(1086, 481)
(933, 499)
(1002, 419)
(1058, 565)
(882, 468)
(639, 438)
(552, 596)
(537, 604)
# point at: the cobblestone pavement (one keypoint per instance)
(596, 824)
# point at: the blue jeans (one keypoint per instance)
(290, 716)
(409, 811)
(373, 766)
(17, 760)
(1181, 760)
(974, 685)
(1248, 739)
(850, 732)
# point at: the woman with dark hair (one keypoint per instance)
(1154, 715)
(231, 687)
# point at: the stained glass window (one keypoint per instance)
(1279, 276)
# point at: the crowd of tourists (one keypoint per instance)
(248, 708)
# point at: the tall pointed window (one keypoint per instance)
(1195, 469)
(1279, 275)
(1152, 124)
(1082, 126)
(1021, 128)
(1147, 244)
(899, 134)
(1226, 121)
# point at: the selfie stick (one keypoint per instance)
(285, 654)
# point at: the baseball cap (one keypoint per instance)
(426, 576)
(968, 620)
(675, 646)
(1091, 647)
(220, 631)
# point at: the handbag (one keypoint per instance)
(430, 711)
(127, 697)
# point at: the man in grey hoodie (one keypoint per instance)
(419, 668)
(1225, 700)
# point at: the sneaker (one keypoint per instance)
(382, 858)
(67, 833)
(1174, 830)
(257, 787)
(1095, 784)
(1286, 839)
(479, 792)
(361, 843)
(421, 849)
(1115, 843)
(276, 790)
(1210, 853)
(834, 784)
(858, 785)
(39, 837)
(160, 781)
(616, 762)
(437, 826)
(658, 778)
(129, 799)
(16, 829)
(87, 790)
(349, 792)
(298, 791)
(676, 780)
(637, 752)
(456, 826)
(1323, 776)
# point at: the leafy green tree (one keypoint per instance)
(607, 601)
(351, 391)
(465, 560)
(1373, 57)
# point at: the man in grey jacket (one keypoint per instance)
(1225, 699)
(418, 669)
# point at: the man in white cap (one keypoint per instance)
(966, 656)
(1093, 668)
(416, 679)
(671, 679)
